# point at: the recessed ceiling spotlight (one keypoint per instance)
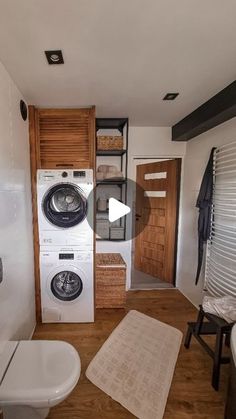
(54, 57)
(170, 96)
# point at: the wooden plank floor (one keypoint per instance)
(191, 394)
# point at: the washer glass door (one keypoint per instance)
(64, 205)
(66, 285)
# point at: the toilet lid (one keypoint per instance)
(40, 371)
(7, 349)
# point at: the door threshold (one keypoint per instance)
(147, 287)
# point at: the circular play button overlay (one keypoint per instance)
(122, 210)
(116, 210)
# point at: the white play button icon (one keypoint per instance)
(117, 210)
(113, 217)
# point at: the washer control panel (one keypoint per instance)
(66, 256)
(77, 176)
(79, 173)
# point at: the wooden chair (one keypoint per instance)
(213, 326)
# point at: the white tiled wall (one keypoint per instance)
(197, 154)
(17, 318)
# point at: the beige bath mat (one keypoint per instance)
(135, 365)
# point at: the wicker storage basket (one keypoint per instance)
(110, 280)
(109, 142)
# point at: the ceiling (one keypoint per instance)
(121, 55)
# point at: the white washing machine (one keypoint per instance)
(67, 286)
(65, 207)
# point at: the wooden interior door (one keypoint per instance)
(156, 218)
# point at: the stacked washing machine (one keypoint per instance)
(65, 221)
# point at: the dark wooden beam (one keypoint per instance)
(218, 109)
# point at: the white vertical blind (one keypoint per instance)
(220, 275)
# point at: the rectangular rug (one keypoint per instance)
(135, 365)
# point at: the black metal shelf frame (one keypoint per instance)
(111, 182)
(110, 152)
(109, 240)
(112, 123)
(120, 124)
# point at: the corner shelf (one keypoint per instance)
(110, 152)
(111, 182)
(109, 240)
(111, 123)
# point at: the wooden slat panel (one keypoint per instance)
(152, 236)
(34, 165)
(152, 220)
(152, 267)
(153, 229)
(153, 254)
(155, 184)
(156, 203)
(66, 138)
(158, 212)
(155, 246)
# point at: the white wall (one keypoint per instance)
(150, 142)
(197, 155)
(17, 310)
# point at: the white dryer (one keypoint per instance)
(67, 286)
(65, 207)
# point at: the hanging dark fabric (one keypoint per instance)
(204, 203)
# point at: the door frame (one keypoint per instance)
(137, 160)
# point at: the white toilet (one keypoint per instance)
(36, 375)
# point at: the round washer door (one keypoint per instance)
(66, 285)
(64, 205)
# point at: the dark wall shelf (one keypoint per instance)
(111, 182)
(109, 240)
(110, 152)
(111, 123)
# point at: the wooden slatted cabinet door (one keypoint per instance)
(156, 218)
(66, 138)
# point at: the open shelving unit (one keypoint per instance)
(106, 125)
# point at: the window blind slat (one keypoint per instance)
(219, 275)
(216, 268)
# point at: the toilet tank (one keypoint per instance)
(7, 349)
